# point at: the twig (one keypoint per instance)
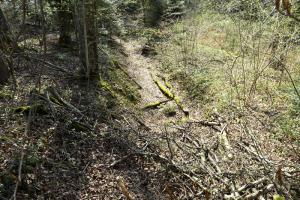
(224, 141)
(124, 189)
(292, 81)
(257, 156)
(19, 180)
(155, 105)
(212, 161)
(119, 161)
(168, 142)
(207, 123)
(289, 15)
(256, 194)
(14, 197)
(252, 184)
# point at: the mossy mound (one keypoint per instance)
(120, 87)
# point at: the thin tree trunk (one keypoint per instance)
(24, 12)
(43, 26)
(92, 39)
(86, 11)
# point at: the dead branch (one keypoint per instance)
(48, 64)
(64, 102)
(112, 165)
(19, 180)
(124, 189)
(212, 124)
(257, 193)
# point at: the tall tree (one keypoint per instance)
(65, 24)
(64, 16)
(5, 47)
(5, 36)
(86, 18)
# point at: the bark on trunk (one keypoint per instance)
(4, 72)
(5, 47)
(5, 40)
(86, 11)
(65, 24)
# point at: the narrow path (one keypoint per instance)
(140, 69)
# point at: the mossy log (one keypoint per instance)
(167, 83)
(181, 106)
(164, 89)
(154, 105)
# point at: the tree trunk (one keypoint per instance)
(65, 16)
(5, 40)
(4, 72)
(86, 11)
(5, 47)
(43, 15)
(153, 11)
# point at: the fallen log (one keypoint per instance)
(165, 90)
(154, 105)
(55, 94)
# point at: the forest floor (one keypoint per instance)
(69, 139)
(231, 146)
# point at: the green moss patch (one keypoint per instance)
(35, 108)
(120, 86)
(5, 95)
